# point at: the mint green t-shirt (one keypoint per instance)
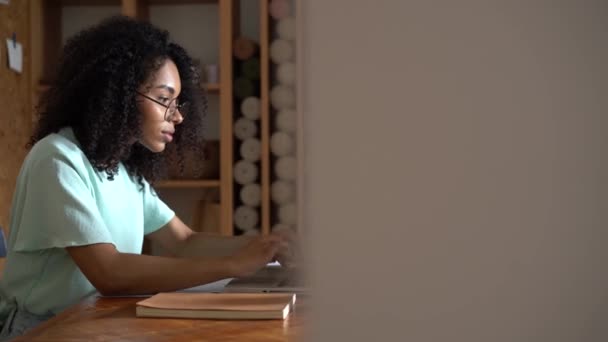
(60, 201)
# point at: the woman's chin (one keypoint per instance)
(155, 147)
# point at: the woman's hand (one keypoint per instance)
(280, 245)
(258, 252)
(287, 254)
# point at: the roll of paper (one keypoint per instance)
(245, 129)
(282, 192)
(281, 144)
(286, 28)
(251, 194)
(285, 120)
(281, 227)
(244, 48)
(288, 213)
(281, 51)
(250, 107)
(285, 168)
(251, 149)
(251, 232)
(245, 172)
(282, 97)
(246, 218)
(286, 73)
(279, 9)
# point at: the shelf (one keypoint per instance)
(118, 2)
(180, 2)
(90, 3)
(212, 87)
(188, 183)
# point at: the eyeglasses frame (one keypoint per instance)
(178, 106)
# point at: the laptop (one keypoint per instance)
(272, 278)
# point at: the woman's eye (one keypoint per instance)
(163, 99)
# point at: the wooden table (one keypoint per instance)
(113, 319)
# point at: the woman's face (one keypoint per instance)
(163, 87)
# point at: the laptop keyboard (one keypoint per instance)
(271, 276)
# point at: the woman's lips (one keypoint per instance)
(168, 136)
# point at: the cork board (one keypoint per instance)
(15, 106)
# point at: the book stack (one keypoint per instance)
(217, 305)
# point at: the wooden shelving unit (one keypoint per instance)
(229, 27)
(189, 183)
(212, 87)
(265, 116)
(271, 212)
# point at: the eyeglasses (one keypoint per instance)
(171, 108)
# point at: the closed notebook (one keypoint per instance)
(217, 305)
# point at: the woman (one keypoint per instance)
(83, 201)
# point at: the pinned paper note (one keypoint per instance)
(15, 54)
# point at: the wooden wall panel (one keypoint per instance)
(15, 107)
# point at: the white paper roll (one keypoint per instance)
(245, 172)
(251, 232)
(288, 213)
(282, 192)
(286, 73)
(251, 149)
(282, 97)
(250, 107)
(281, 144)
(281, 51)
(245, 217)
(286, 28)
(281, 227)
(286, 120)
(285, 168)
(251, 194)
(245, 128)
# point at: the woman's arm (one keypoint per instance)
(177, 239)
(115, 273)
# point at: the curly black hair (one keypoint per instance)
(94, 93)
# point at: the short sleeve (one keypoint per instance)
(57, 208)
(156, 212)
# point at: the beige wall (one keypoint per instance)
(456, 170)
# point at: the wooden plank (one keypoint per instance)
(300, 186)
(212, 87)
(226, 107)
(180, 2)
(90, 2)
(188, 183)
(265, 116)
(135, 9)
